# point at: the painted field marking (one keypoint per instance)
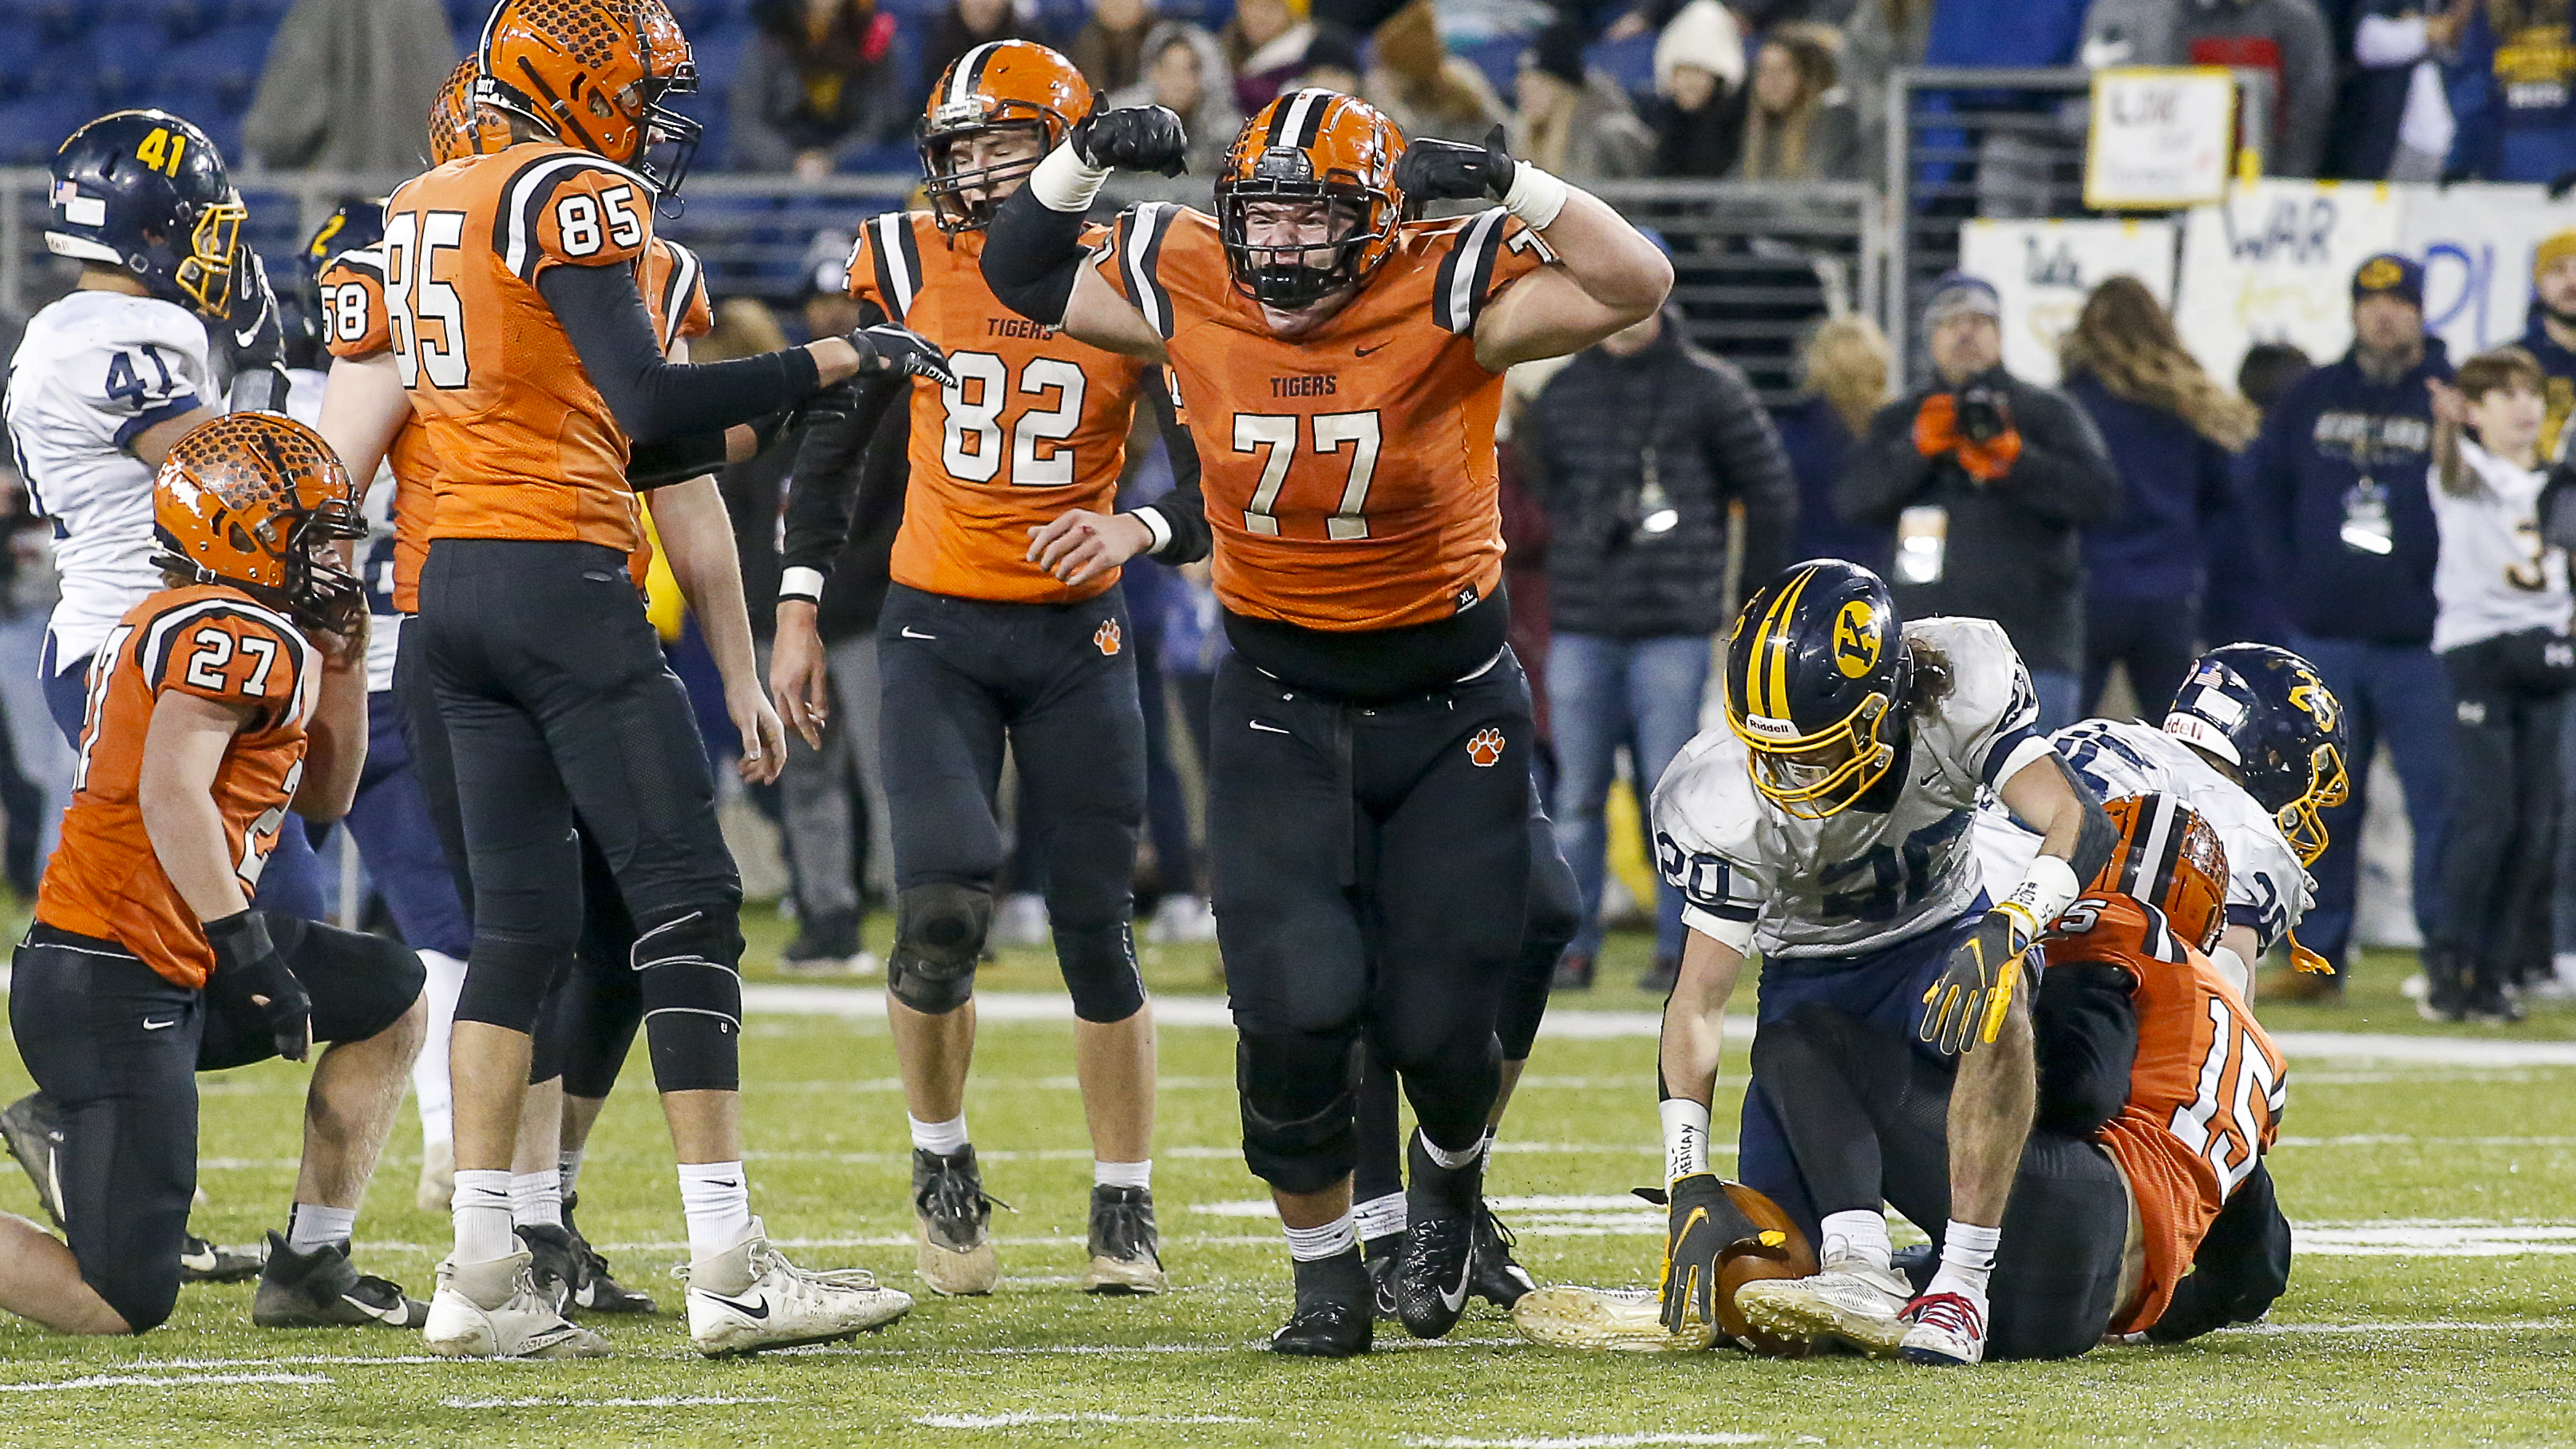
(659, 1401)
(160, 1381)
(1015, 1419)
(2438, 1325)
(1587, 1441)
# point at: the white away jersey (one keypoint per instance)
(95, 369)
(1861, 880)
(2267, 888)
(2493, 577)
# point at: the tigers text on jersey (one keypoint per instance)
(2493, 576)
(353, 308)
(217, 643)
(2206, 1090)
(1860, 880)
(95, 370)
(2267, 888)
(526, 447)
(1036, 424)
(1349, 473)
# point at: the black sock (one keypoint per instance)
(1341, 1278)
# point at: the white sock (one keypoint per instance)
(481, 1213)
(313, 1226)
(1860, 1233)
(568, 1169)
(1967, 1260)
(446, 978)
(1466, 1156)
(1313, 1245)
(717, 1198)
(1381, 1217)
(944, 1138)
(1123, 1174)
(2563, 966)
(536, 1199)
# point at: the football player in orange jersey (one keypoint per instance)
(531, 365)
(1368, 796)
(2158, 1095)
(218, 705)
(983, 648)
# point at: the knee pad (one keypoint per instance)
(1100, 971)
(1300, 1098)
(507, 981)
(692, 997)
(938, 936)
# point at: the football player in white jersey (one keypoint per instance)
(2253, 743)
(1829, 826)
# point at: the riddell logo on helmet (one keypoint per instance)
(1770, 729)
(1106, 637)
(1485, 747)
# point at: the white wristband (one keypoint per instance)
(1157, 528)
(1535, 197)
(2046, 890)
(801, 583)
(1685, 1137)
(1063, 182)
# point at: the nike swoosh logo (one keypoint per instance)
(1365, 351)
(1268, 729)
(393, 1315)
(758, 1308)
(1458, 1300)
(911, 633)
(160, 1025)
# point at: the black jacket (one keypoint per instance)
(2012, 544)
(1605, 428)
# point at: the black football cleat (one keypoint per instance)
(1498, 1277)
(1126, 1248)
(1331, 1319)
(1433, 1280)
(204, 1262)
(34, 1134)
(594, 1291)
(551, 1263)
(321, 1289)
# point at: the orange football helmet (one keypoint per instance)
(255, 500)
(999, 83)
(593, 74)
(1311, 145)
(459, 125)
(2168, 857)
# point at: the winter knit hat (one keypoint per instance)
(1703, 33)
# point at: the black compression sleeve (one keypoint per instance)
(1031, 256)
(1183, 512)
(678, 459)
(2085, 1027)
(653, 398)
(2097, 837)
(823, 487)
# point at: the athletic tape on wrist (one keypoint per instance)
(1685, 1137)
(1535, 197)
(1062, 182)
(801, 583)
(2046, 890)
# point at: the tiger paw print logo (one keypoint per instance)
(1106, 638)
(1485, 747)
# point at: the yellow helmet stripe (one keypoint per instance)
(1771, 648)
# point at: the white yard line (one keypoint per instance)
(661, 1401)
(1015, 1419)
(1586, 1441)
(159, 1381)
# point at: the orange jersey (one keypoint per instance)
(1037, 422)
(353, 309)
(215, 642)
(526, 446)
(2205, 1093)
(1349, 473)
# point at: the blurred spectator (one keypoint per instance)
(1846, 372)
(1986, 479)
(2268, 370)
(815, 83)
(959, 28)
(2171, 432)
(1109, 50)
(2287, 38)
(1573, 123)
(346, 85)
(1799, 127)
(1332, 63)
(2514, 95)
(1424, 89)
(1265, 45)
(1637, 450)
(1881, 38)
(2393, 119)
(2240, 606)
(2501, 631)
(1698, 113)
(2551, 336)
(1185, 70)
(2352, 543)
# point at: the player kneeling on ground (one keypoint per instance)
(215, 706)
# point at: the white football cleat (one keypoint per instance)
(1181, 920)
(749, 1298)
(493, 1310)
(1948, 1329)
(1620, 1320)
(1851, 1302)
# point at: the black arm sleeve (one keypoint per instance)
(653, 398)
(823, 488)
(675, 459)
(2085, 1027)
(2242, 1266)
(1183, 511)
(1031, 256)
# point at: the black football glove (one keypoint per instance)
(247, 965)
(1701, 1222)
(251, 339)
(1133, 138)
(1432, 170)
(887, 347)
(1966, 1006)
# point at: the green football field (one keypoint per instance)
(2431, 1173)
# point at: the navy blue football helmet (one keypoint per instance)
(1817, 679)
(146, 192)
(356, 223)
(2265, 711)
